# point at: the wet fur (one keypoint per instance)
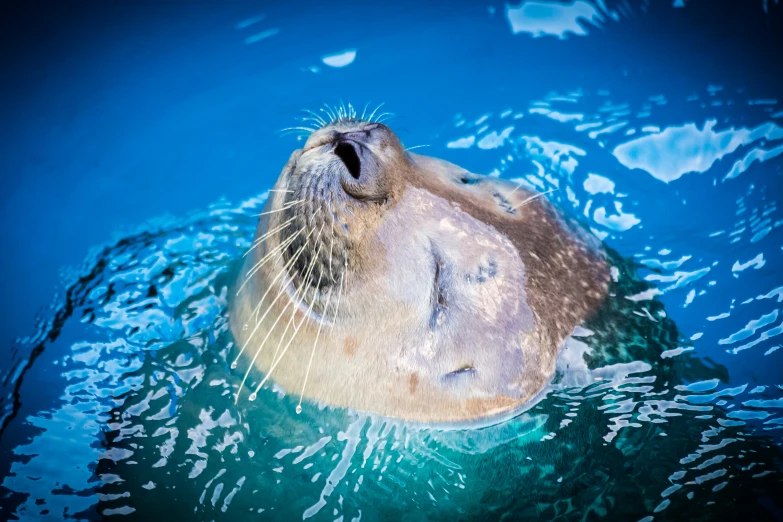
(383, 351)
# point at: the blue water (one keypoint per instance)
(138, 141)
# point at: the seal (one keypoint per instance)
(403, 285)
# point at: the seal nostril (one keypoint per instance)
(347, 154)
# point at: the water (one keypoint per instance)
(120, 402)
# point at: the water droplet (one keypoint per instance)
(244, 327)
(252, 397)
(234, 365)
(298, 409)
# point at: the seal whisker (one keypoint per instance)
(282, 337)
(305, 119)
(364, 111)
(383, 115)
(306, 129)
(261, 347)
(297, 291)
(418, 147)
(271, 329)
(316, 116)
(373, 112)
(280, 190)
(276, 229)
(262, 238)
(338, 113)
(328, 111)
(269, 289)
(516, 188)
(279, 248)
(283, 271)
(531, 198)
(331, 251)
(267, 257)
(284, 207)
(261, 301)
(282, 354)
(250, 367)
(312, 353)
(339, 295)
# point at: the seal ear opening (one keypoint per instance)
(347, 154)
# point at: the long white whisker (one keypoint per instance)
(418, 147)
(271, 329)
(316, 116)
(306, 129)
(531, 198)
(364, 111)
(382, 115)
(260, 302)
(312, 353)
(269, 289)
(305, 119)
(284, 270)
(339, 296)
(262, 238)
(280, 190)
(258, 351)
(329, 112)
(373, 112)
(286, 206)
(515, 189)
(305, 279)
(276, 249)
(343, 112)
(276, 360)
(255, 268)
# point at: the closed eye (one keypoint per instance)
(467, 370)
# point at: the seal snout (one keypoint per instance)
(362, 177)
(346, 152)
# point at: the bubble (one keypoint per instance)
(234, 365)
(298, 409)
(244, 327)
(252, 397)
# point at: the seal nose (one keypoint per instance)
(362, 177)
(346, 152)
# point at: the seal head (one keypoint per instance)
(406, 286)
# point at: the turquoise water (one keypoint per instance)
(120, 404)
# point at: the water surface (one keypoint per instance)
(120, 399)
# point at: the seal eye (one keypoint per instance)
(466, 370)
(347, 154)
